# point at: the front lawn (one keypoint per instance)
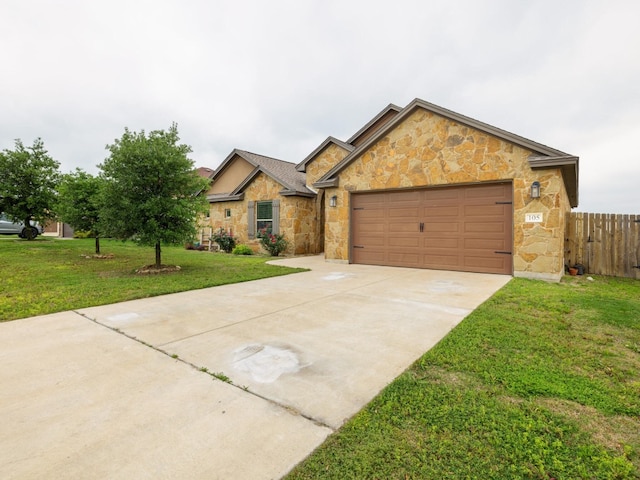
(540, 382)
(49, 275)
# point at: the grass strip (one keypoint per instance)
(51, 275)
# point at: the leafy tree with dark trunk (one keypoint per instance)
(80, 202)
(152, 190)
(28, 181)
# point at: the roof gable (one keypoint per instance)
(384, 116)
(545, 157)
(285, 173)
(233, 170)
(302, 166)
(373, 125)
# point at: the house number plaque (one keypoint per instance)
(533, 217)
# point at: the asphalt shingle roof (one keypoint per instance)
(282, 171)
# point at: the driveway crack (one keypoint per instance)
(215, 376)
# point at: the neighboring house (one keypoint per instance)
(419, 186)
(205, 172)
(58, 229)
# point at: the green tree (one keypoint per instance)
(152, 190)
(80, 202)
(28, 184)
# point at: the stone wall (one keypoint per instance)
(297, 216)
(427, 150)
(324, 161)
(539, 247)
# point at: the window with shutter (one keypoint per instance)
(275, 212)
(264, 217)
(251, 223)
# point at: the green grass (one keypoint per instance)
(50, 275)
(542, 381)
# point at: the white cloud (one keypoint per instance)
(279, 77)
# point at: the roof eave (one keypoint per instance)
(296, 193)
(328, 183)
(225, 198)
(569, 166)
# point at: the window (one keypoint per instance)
(264, 217)
(227, 213)
(261, 216)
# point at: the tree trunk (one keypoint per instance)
(30, 231)
(97, 245)
(158, 262)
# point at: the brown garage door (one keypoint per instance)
(449, 228)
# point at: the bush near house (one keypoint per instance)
(227, 242)
(275, 244)
(242, 249)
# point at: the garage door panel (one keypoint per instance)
(441, 261)
(372, 198)
(396, 226)
(442, 211)
(404, 259)
(370, 214)
(488, 191)
(494, 210)
(485, 244)
(440, 194)
(408, 212)
(370, 257)
(462, 228)
(414, 196)
(443, 242)
(371, 228)
(439, 227)
(399, 241)
(485, 227)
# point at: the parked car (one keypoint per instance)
(7, 227)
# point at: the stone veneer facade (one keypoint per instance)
(429, 150)
(325, 161)
(297, 216)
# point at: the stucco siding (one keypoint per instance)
(227, 180)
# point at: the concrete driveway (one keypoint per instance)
(130, 390)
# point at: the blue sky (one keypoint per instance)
(278, 77)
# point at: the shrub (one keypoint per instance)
(242, 249)
(227, 242)
(194, 246)
(83, 234)
(273, 243)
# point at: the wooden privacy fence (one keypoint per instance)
(606, 244)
